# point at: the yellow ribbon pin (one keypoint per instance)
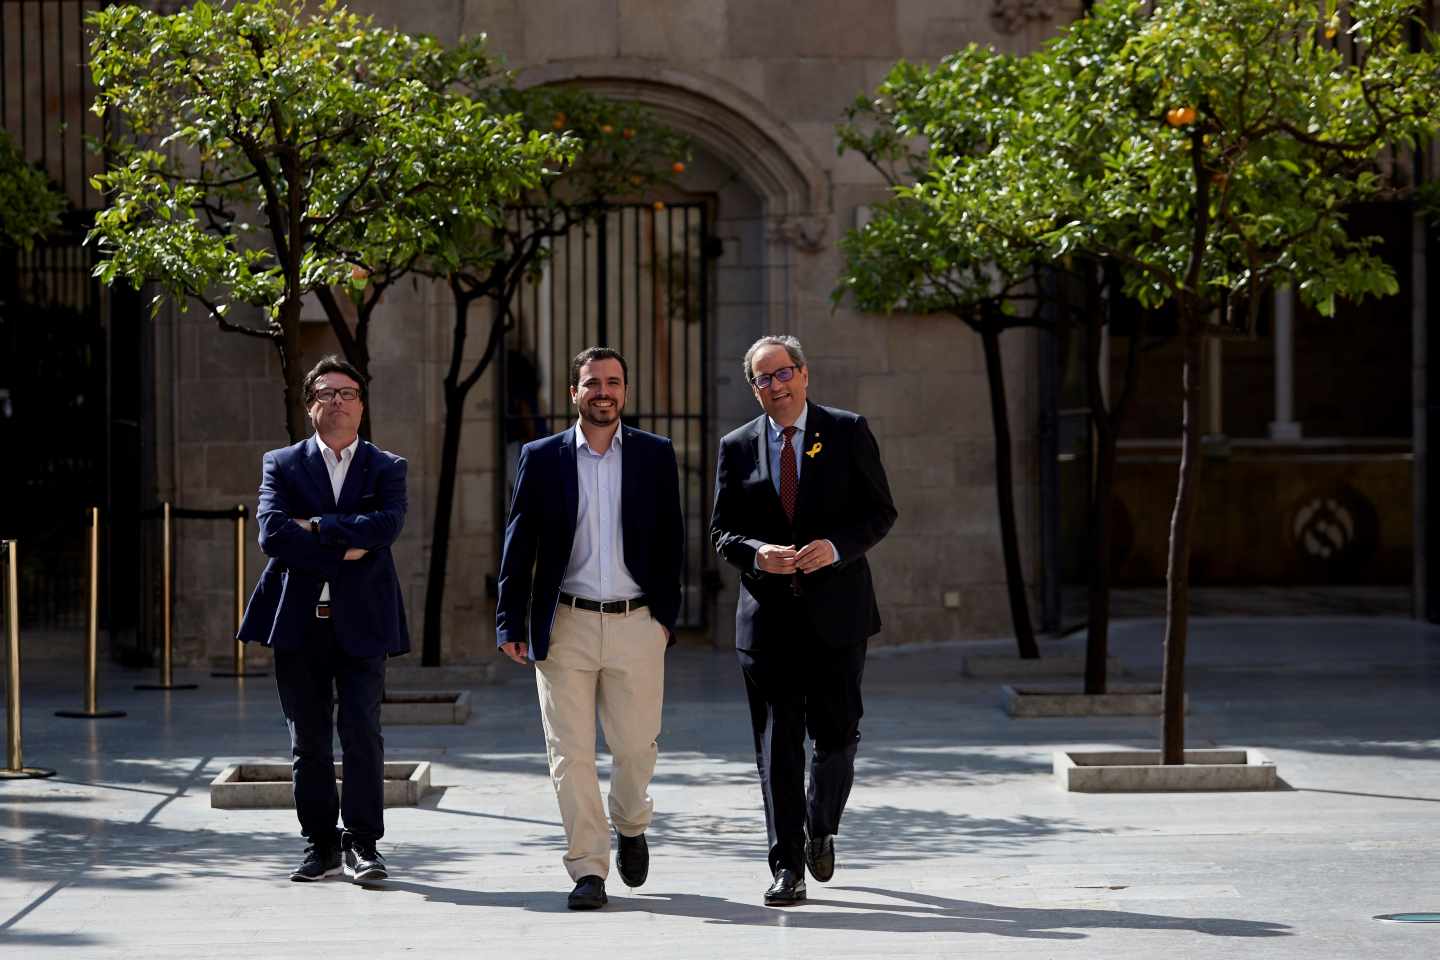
(814, 450)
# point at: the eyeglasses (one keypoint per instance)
(763, 381)
(348, 394)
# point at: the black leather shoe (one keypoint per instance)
(788, 889)
(589, 894)
(319, 863)
(633, 860)
(820, 857)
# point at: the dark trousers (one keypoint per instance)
(801, 687)
(309, 680)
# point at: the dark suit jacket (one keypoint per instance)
(541, 532)
(366, 606)
(843, 497)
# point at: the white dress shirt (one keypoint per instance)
(596, 570)
(338, 467)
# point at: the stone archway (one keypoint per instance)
(774, 207)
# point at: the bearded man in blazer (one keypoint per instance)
(800, 498)
(329, 605)
(589, 593)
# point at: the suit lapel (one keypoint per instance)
(817, 425)
(319, 474)
(760, 438)
(355, 476)
(569, 485)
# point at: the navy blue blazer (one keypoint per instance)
(365, 601)
(844, 497)
(540, 533)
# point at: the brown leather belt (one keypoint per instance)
(322, 611)
(602, 606)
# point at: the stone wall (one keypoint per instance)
(759, 86)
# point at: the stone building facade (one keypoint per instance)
(759, 88)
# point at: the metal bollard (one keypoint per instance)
(167, 601)
(14, 768)
(92, 634)
(241, 512)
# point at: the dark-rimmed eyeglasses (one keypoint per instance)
(763, 381)
(329, 395)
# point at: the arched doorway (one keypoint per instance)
(751, 198)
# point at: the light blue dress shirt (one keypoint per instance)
(775, 435)
(596, 570)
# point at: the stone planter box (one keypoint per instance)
(424, 707)
(266, 786)
(1140, 771)
(1122, 700)
(1049, 665)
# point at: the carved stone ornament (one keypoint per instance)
(804, 233)
(1013, 16)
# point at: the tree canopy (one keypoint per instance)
(30, 206)
(254, 138)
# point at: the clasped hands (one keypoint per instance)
(353, 553)
(773, 558)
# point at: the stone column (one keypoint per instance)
(1284, 426)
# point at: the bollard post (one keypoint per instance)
(15, 768)
(167, 601)
(239, 671)
(92, 634)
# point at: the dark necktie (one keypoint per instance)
(789, 478)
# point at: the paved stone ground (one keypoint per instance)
(957, 842)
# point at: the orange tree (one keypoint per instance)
(254, 135)
(1209, 150)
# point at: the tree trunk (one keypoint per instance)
(297, 421)
(1101, 507)
(440, 534)
(1005, 495)
(1182, 522)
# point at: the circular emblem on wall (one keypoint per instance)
(1335, 532)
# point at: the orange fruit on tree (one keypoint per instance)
(678, 167)
(628, 133)
(559, 122)
(1180, 116)
(658, 205)
(606, 128)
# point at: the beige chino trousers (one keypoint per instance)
(615, 662)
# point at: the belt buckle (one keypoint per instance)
(322, 611)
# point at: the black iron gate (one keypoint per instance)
(633, 279)
(71, 359)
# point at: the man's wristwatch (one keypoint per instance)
(315, 525)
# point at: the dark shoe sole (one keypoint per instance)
(784, 901)
(816, 874)
(299, 877)
(374, 873)
(587, 903)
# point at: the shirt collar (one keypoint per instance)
(581, 442)
(329, 455)
(777, 432)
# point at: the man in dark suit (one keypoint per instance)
(589, 591)
(800, 496)
(329, 605)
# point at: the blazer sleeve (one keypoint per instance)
(726, 517)
(517, 559)
(373, 529)
(872, 511)
(669, 538)
(283, 539)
